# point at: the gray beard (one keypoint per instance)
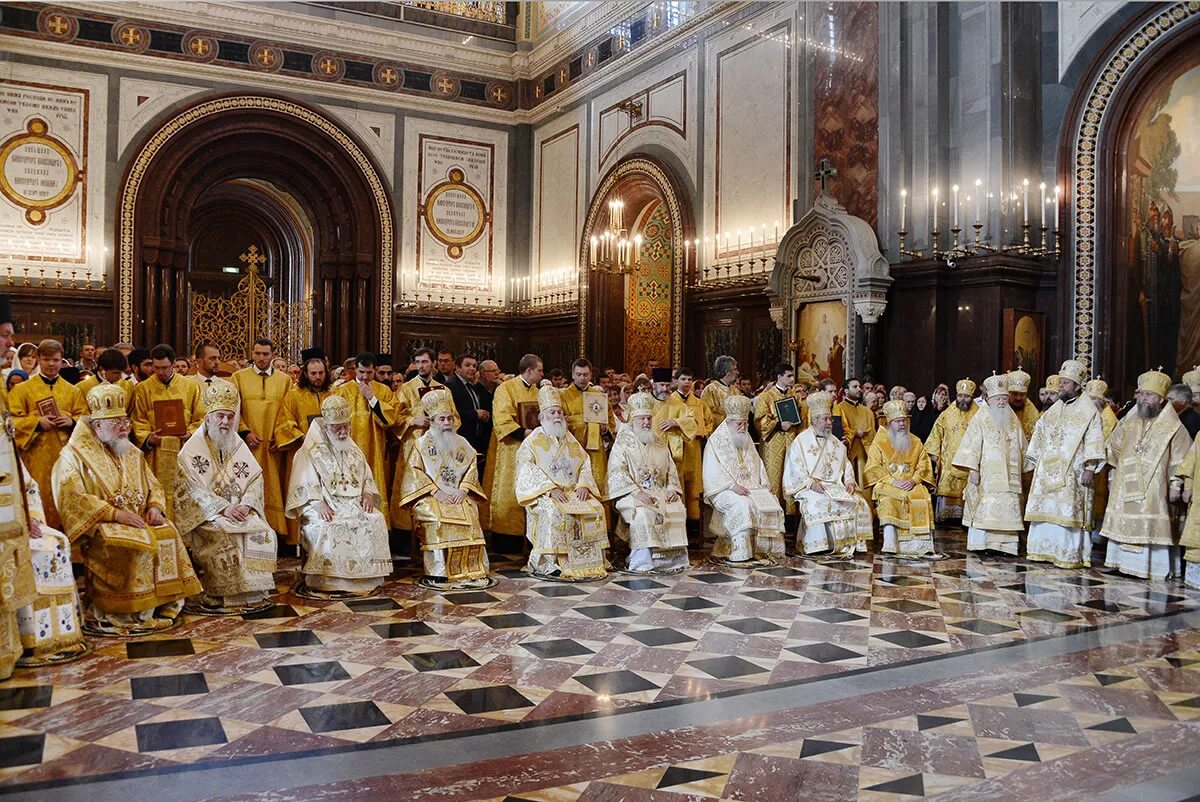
(118, 445)
(644, 436)
(444, 440)
(225, 443)
(901, 441)
(1147, 412)
(822, 432)
(556, 429)
(1002, 417)
(740, 440)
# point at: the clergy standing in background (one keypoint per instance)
(334, 497)
(1183, 486)
(39, 431)
(220, 510)
(747, 518)
(684, 420)
(1065, 452)
(1192, 380)
(262, 389)
(441, 486)
(411, 424)
(590, 435)
(300, 406)
(726, 374)
(1018, 400)
(565, 523)
(992, 451)
(901, 476)
(644, 484)
(777, 435)
(834, 518)
(137, 571)
(1145, 450)
(508, 432)
(1097, 392)
(858, 429)
(942, 445)
(372, 414)
(162, 451)
(110, 369)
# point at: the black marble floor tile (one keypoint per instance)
(1104, 606)
(751, 626)
(25, 697)
(274, 611)
(347, 716)
(404, 629)
(1031, 699)
(1162, 598)
(164, 735)
(1081, 581)
(913, 785)
(488, 700)
(770, 595)
(726, 667)
(307, 673)
(930, 722)
(909, 639)
(970, 597)
(288, 639)
(173, 685)
(679, 775)
(510, 621)
(1049, 616)
(834, 615)
(660, 637)
(906, 606)
(21, 750)
(905, 581)
(1116, 725)
(691, 603)
(823, 652)
(841, 587)
(440, 661)
(559, 591)
(1111, 679)
(1025, 752)
(615, 683)
(553, 649)
(982, 626)
(144, 649)
(376, 605)
(781, 571)
(640, 583)
(603, 612)
(471, 597)
(714, 578)
(815, 746)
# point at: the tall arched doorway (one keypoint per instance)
(626, 319)
(245, 170)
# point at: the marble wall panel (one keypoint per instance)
(141, 101)
(559, 199)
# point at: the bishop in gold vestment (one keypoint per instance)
(500, 469)
(942, 445)
(441, 486)
(372, 414)
(137, 569)
(684, 420)
(162, 453)
(1018, 401)
(992, 451)
(776, 435)
(565, 523)
(899, 472)
(1146, 450)
(262, 389)
(411, 424)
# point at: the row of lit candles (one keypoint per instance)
(982, 211)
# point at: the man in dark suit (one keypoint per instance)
(1180, 396)
(474, 404)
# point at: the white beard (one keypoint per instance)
(119, 446)
(556, 429)
(644, 436)
(741, 440)
(900, 441)
(444, 440)
(225, 443)
(1002, 417)
(342, 446)
(822, 432)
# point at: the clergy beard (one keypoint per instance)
(443, 438)
(644, 436)
(114, 442)
(963, 405)
(1146, 411)
(822, 431)
(555, 428)
(224, 442)
(900, 441)
(1001, 416)
(740, 440)
(343, 445)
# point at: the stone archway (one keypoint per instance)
(294, 150)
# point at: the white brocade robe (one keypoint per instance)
(569, 538)
(632, 467)
(836, 519)
(746, 527)
(993, 507)
(1067, 440)
(1144, 455)
(350, 552)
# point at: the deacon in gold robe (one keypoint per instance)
(901, 476)
(643, 483)
(942, 445)
(110, 369)
(590, 435)
(1065, 452)
(441, 486)
(300, 407)
(724, 384)
(507, 516)
(1097, 391)
(1183, 488)
(1145, 450)
(162, 451)
(818, 475)
(776, 435)
(43, 411)
(372, 413)
(137, 571)
(992, 451)
(565, 519)
(262, 389)
(859, 426)
(411, 424)
(334, 497)
(747, 518)
(1018, 401)
(220, 511)
(684, 420)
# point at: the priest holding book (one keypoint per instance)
(164, 412)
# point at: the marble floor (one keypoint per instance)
(870, 679)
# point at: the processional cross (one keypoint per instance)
(825, 171)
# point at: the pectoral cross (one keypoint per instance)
(825, 171)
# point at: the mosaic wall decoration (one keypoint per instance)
(648, 295)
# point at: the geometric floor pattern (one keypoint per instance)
(308, 675)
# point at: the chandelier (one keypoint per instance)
(614, 251)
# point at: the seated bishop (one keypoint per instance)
(564, 519)
(440, 485)
(137, 571)
(900, 475)
(834, 518)
(334, 496)
(747, 518)
(219, 509)
(644, 484)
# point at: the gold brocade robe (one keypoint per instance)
(1145, 454)
(1189, 472)
(39, 449)
(998, 453)
(647, 467)
(1028, 416)
(775, 441)
(713, 395)
(18, 587)
(687, 444)
(1108, 423)
(297, 411)
(369, 425)
(408, 406)
(262, 397)
(942, 445)
(856, 418)
(500, 470)
(453, 528)
(1067, 439)
(129, 569)
(910, 511)
(588, 434)
(162, 458)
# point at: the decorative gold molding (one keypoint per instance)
(174, 126)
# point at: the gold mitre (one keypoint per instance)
(335, 410)
(640, 404)
(221, 397)
(438, 402)
(1018, 381)
(106, 401)
(1192, 379)
(819, 404)
(1053, 382)
(1154, 381)
(995, 385)
(965, 387)
(549, 397)
(1073, 370)
(1096, 388)
(737, 407)
(895, 410)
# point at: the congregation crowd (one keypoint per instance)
(172, 481)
